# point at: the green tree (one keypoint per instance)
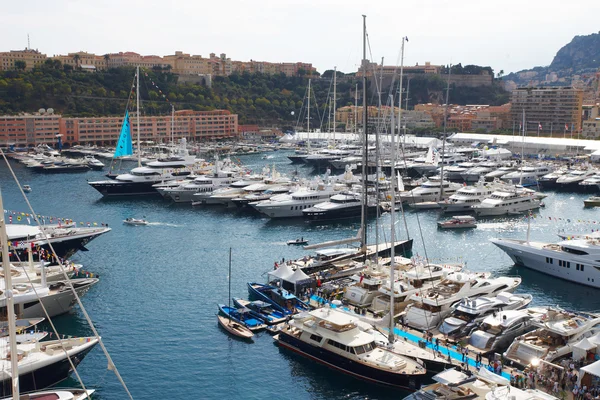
(20, 65)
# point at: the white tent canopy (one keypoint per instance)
(580, 348)
(282, 272)
(297, 276)
(595, 339)
(592, 369)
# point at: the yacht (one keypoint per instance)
(140, 180)
(507, 202)
(467, 314)
(572, 179)
(467, 196)
(65, 241)
(333, 338)
(431, 190)
(496, 332)
(202, 184)
(430, 306)
(365, 286)
(572, 260)
(591, 184)
(455, 172)
(499, 173)
(479, 171)
(557, 332)
(527, 175)
(267, 192)
(548, 181)
(232, 191)
(347, 204)
(292, 205)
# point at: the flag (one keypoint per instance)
(566, 127)
(540, 126)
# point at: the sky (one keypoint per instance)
(509, 36)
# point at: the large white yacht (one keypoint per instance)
(346, 204)
(140, 180)
(334, 338)
(573, 178)
(292, 205)
(507, 202)
(527, 175)
(467, 314)
(496, 332)
(455, 172)
(468, 196)
(591, 184)
(557, 331)
(202, 184)
(573, 260)
(431, 190)
(499, 173)
(432, 305)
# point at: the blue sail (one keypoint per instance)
(124, 146)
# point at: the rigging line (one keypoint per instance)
(111, 365)
(60, 340)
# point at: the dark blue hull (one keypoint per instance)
(348, 366)
(246, 319)
(254, 289)
(118, 188)
(45, 376)
(342, 213)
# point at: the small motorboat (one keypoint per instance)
(262, 310)
(135, 221)
(298, 242)
(235, 328)
(593, 201)
(243, 316)
(458, 222)
(27, 188)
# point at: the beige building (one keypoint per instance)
(550, 107)
(31, 58)
(84, 60)
(186, 64)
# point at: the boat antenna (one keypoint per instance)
(137, 90)
(363, 215)
(10, 308)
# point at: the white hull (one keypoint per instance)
(506, 210)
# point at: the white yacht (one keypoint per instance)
(139, 180)
(467, 314)
(292, 205)
(557, 332)
(573, 260)
(430, 306)
(366, 285)
(430, 191)
(591, 184)
(468, 196)
(455, 172)
(573, 178)
(548, 181)
(527, 175)
(477, 172)
(496, 332)
(507, 202)
(334, 338)
(234, 190)
(268, 192)
(346, 204)
(499, 173)
(202, 184)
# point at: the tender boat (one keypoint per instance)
(242, 316)
(262, 310)
(281, 299)
(593, 201)
(27, 188)
(458, 222)
(135, 221)
(57, 394)
(235, 328)
(299, 241)
(333, 338)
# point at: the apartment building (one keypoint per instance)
(45, 128)
(31, 58)
(552, 108)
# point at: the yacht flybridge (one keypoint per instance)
(507, 202)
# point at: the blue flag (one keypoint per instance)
(124, 146)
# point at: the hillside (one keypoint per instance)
(256, 98)
(574, 64)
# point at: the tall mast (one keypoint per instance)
(404, 39)
(229, 281)
(308, 117)
(356, 111)
(363, 215)
(10, 306)
(334, 95)
(444, 135)
(137, 90)
(172, 123)
(393, 214)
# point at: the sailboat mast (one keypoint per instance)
(444, 135)
(10, 306)
(363, 215)
(137, 103)
(172, 123)
(229, 281)
(404, 39)
(393, 219)
(334, 95)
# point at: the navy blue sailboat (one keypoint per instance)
(279, 298)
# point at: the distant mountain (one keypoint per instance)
(574, 64)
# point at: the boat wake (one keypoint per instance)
(164, 224)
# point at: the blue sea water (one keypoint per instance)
(159, 285)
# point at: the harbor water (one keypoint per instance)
(159, 286)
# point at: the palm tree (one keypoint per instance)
(76, 58)
(106, 58)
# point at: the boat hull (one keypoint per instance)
(57, 304)
(348, 366)
(114, 188)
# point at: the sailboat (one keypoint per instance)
(124, 146)
(231, 326)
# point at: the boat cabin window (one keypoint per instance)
(364, 349)
(316, 338)
(573, 251)
(340, 346)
